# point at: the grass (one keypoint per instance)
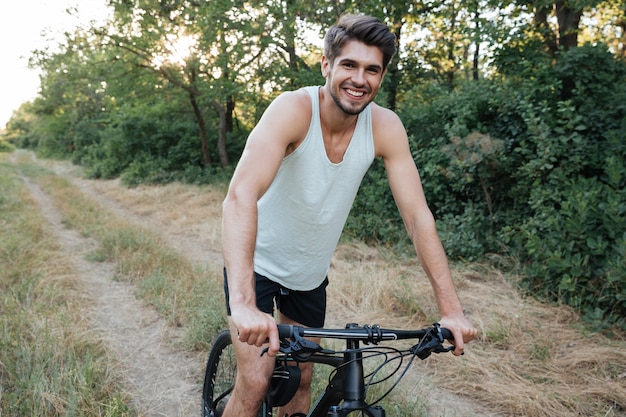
(163, 278)
(50, 365)
(530, 359)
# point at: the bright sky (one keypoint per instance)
(26, 25)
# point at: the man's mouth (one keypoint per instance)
(355, 93)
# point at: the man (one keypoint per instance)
(291, 194)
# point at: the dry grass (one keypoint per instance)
(189, 210)
(530, 359)
(367, 283)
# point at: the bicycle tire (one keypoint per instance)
(219, 376)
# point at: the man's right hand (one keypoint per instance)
(255, 328)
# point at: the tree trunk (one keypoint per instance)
(476, 60)
(569, 20)
(204, 139)
(449, 74)
(393, 74)
(475, 72)
(230, 109)
(221, 140)
(540, 21)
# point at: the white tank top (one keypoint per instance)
(303, 212)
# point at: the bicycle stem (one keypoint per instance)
(354, 388)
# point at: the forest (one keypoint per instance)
(515, 110)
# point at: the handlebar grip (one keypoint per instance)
(447, 335)
(285, 331)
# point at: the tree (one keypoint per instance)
(568, 14)
(232, 44)
(442, 40)
(72, 96)
(146, 34)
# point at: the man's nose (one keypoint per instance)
(358, 77)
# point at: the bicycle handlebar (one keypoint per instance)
(370, 334)
(430, 339)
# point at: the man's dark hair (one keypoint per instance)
(367, 29)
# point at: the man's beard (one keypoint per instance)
(345, 109)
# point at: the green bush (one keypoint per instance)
(147, 169)
(575, 247)
(6, 146)
(462, 144)
(535, 169)
(148, 146)
(573, 173)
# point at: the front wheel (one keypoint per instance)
(219, 377)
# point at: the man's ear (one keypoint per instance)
(325, 66)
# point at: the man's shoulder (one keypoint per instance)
(303, 93)
(293, 101)
(388, 131)
(289, 116)
(385, 120)
(383, 114)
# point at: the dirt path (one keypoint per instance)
(161, 380)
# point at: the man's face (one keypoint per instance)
(355, 76)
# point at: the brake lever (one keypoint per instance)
(430, 343)
(299, 347)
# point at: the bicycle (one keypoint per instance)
(348, 384)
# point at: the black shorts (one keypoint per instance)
(305, 307)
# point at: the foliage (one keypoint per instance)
(575, 169)
(507, 126)
(463, 161)
(6, 146)
(151, 132)
(512, 166)
(575, 246)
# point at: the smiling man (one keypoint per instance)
(291, 194)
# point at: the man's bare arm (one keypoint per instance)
(406, 186)
(267, 145)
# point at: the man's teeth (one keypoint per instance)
(355, 93)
